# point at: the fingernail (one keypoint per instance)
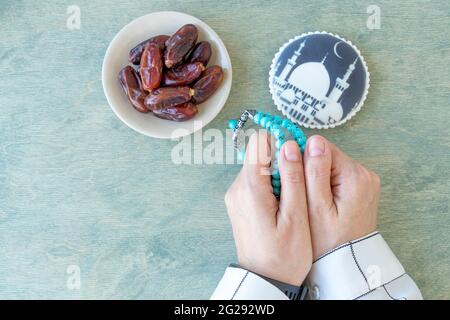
(316, 147)
(291, 152)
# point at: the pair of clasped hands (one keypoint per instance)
(326, 199)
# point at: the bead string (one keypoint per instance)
(279, 127)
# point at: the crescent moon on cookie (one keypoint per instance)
(335, 50)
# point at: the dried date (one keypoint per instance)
(179, 45)
(151, 67)
(168, 97)
(136, 53)
(131, 84)
(182, 75)
(201, 53)
(180, 112)
(208, 83)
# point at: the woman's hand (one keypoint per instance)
(272, 238)
(342, 196)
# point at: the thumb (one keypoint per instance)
(318, 160)
(293, 193)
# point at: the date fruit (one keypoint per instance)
(179, 45)
(168, 97)
(208, 83)
(180, 112)
(182, 75)
(151, 67)
(170, 77)
(131, 84)
(136, 53)
(200, 53)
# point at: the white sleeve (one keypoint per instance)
(240, 284)
(365, 268)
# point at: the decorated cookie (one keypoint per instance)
(319, 80)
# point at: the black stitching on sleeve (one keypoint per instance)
(346, 245)
(365, 238)
(331, 251)
(370, 291)
(365, 294)
(390, 296)
(358, 266)
(240, 284)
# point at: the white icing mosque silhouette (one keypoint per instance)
(304, 93)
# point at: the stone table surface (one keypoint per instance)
(83, 195)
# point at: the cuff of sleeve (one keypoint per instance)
(291, 291)
(240, 284)
(353, 269)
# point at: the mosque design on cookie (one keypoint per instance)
(308, 92)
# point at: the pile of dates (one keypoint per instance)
(171, 77)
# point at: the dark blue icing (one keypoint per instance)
(319, 82)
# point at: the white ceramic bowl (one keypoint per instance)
(116, 57)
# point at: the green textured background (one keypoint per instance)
(78, 187)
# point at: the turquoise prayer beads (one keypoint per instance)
(279, 127)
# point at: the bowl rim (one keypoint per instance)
(208, 30)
